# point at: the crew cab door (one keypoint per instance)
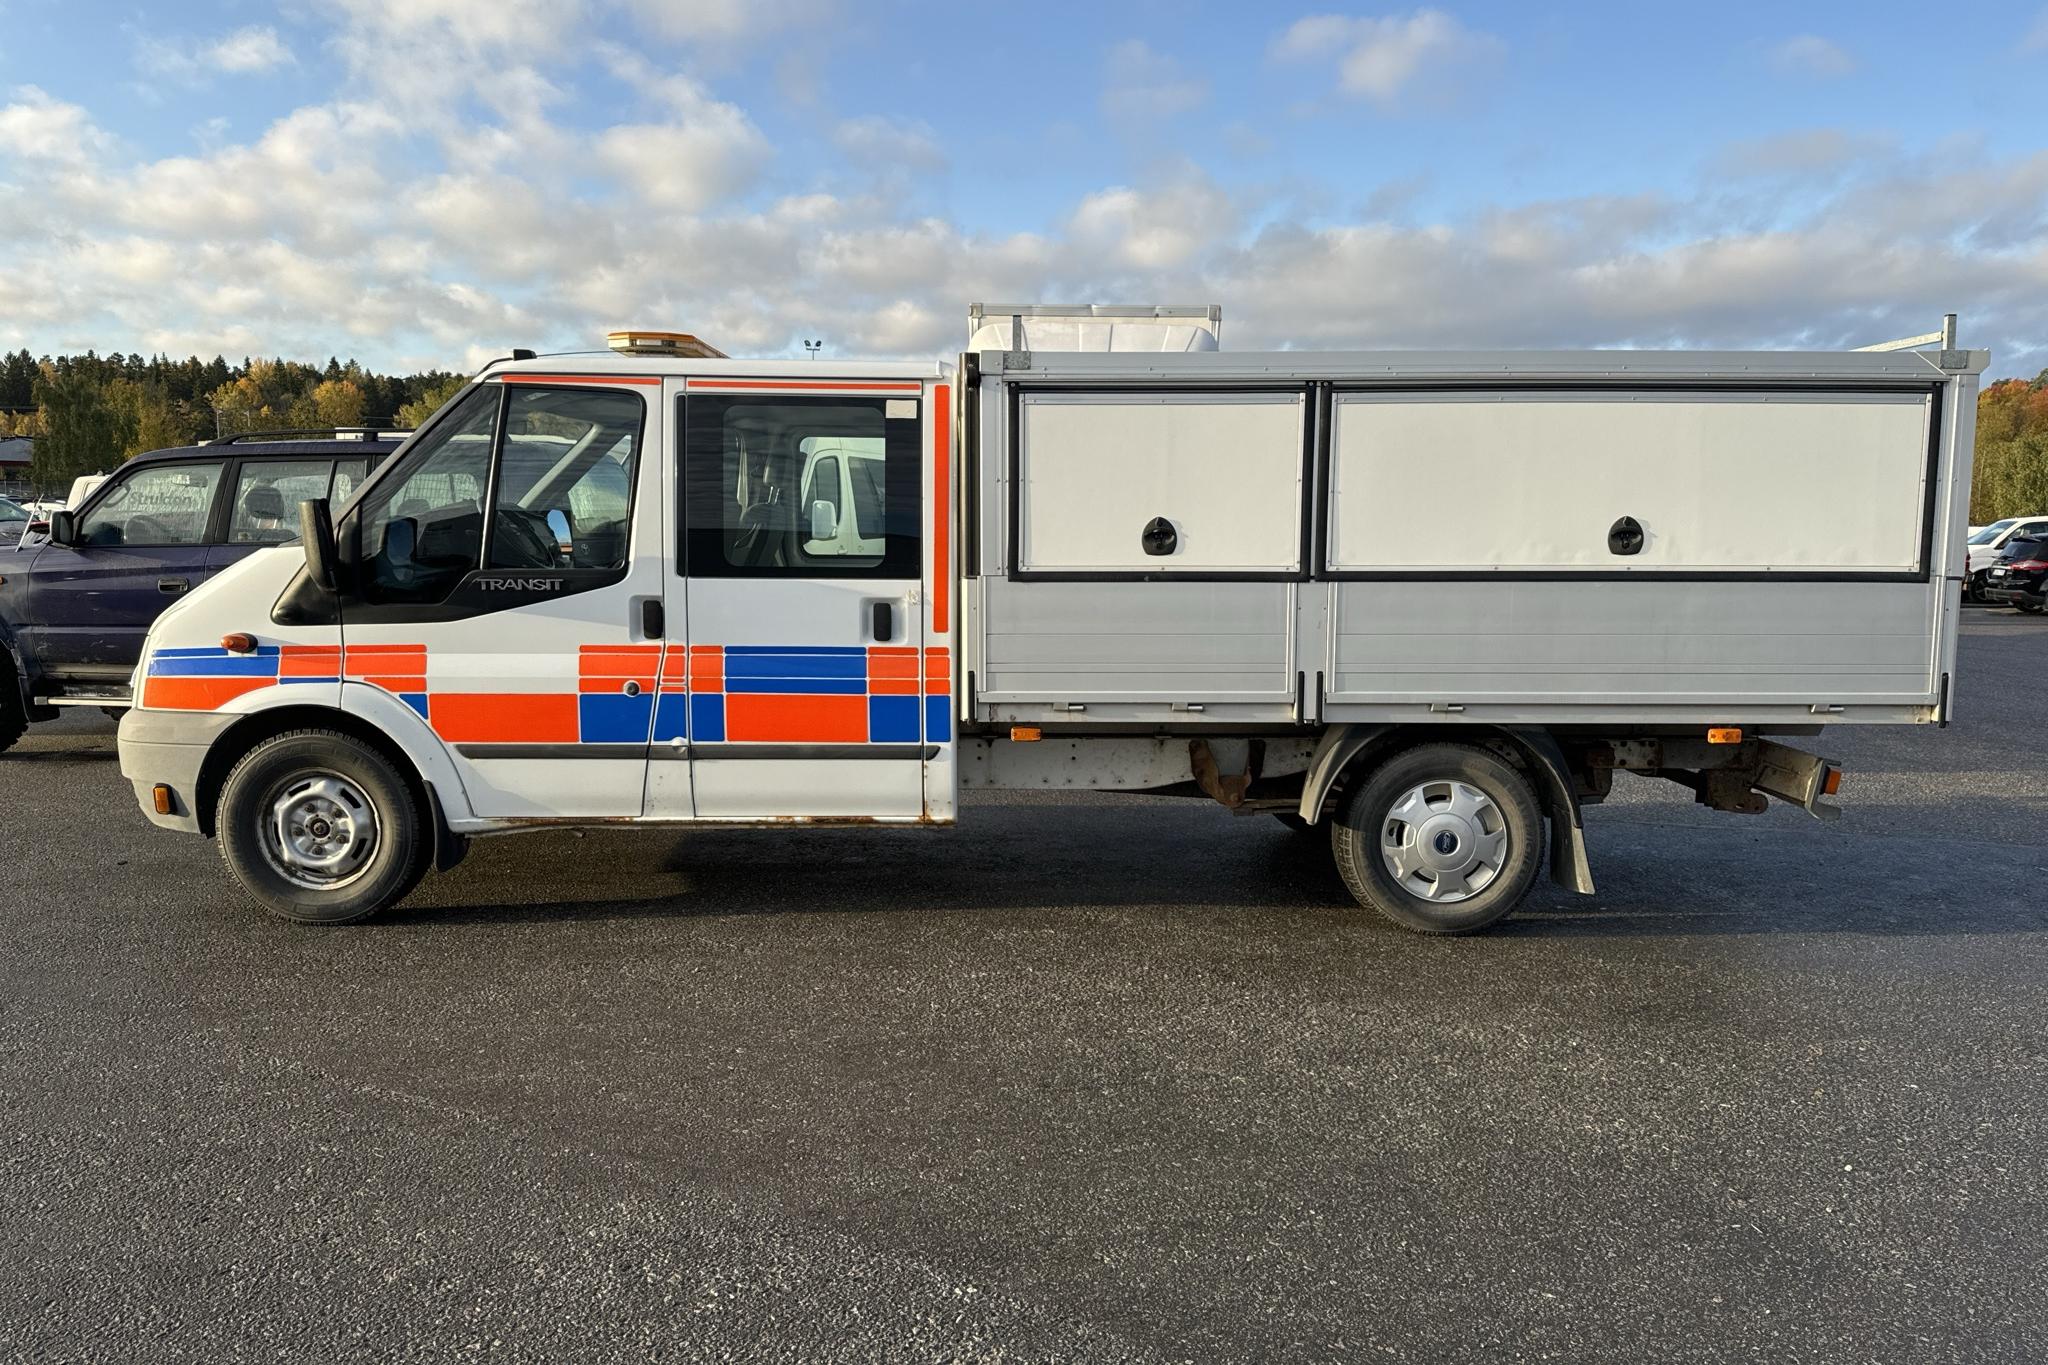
(802, 515)
(141, 543)
(499, 577)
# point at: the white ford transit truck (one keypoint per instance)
(1429, 601)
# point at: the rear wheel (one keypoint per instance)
(1441, 839)
(321, 828)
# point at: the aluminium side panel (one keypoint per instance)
(1787, 569)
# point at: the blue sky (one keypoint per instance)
(431, 181)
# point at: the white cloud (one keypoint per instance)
(1144, 86)
(2036, 38)
(889, 144)
(248, 51)
(499, 219)
(1381, 59)
(1810, 55)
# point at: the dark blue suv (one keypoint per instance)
(75, 607)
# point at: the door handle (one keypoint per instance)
(173, 586)
(883, 621)
(652, 620)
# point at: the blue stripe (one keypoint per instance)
(226, 666)
(892, 720)
(859, 651)
(416, 700)
(794, 665)
(289, 681)
(830, 687)
(707, 718)
(938, 720)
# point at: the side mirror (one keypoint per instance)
(824, 521)
(316, 529)
(64, 527)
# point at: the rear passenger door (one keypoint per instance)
(802, 514)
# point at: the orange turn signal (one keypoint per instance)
(1026, 734)
(240, 642)
(160, 796)
(1832, 783)
(1724, 734)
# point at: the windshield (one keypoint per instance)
(1990, 533)
(12, 511)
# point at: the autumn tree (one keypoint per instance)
(81, 430)
(412, 416)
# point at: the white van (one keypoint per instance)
(660, 588)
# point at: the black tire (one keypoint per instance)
(2030, 608)
(13, 710)
(1370, 813)
(370, 794)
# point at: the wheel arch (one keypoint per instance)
(1347, 751)
(255, 727)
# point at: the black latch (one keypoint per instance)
(1159, 538)
(1625, 537)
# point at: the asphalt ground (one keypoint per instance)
(1083, 1079)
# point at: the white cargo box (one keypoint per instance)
(1540, 538)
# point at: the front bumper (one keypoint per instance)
(168, 748)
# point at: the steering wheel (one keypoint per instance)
(146, 531)
(525, 540)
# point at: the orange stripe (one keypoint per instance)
(766, 716)
(942, 512)
(845, 385)
(396, 682)
(892, 687)
(309, 666)
(503, 717)
(381, 649)
(654, 380)
(198, 694)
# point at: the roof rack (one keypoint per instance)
(305, 433)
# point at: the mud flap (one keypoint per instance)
(1569, 866)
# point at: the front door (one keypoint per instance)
(140, 545)
(523, 637)
(802, 515)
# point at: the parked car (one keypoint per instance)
(1987, 543)
(2020, 577)
(75, 608)
(14, 519)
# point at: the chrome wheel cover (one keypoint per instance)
(319, 830)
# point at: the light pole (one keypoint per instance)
(814, 347)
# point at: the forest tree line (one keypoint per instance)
(2011, 474)
(87, 413)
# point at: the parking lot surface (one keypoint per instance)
(1082, 1079)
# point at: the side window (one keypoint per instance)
(348, 477)
(420, 531)
(565, 480)
(165, 504)
(805, 487)
(267, 498)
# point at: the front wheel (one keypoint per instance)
(321, 828)
(1442, 839)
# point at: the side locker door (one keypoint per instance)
(803, 510)
(519, 638)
